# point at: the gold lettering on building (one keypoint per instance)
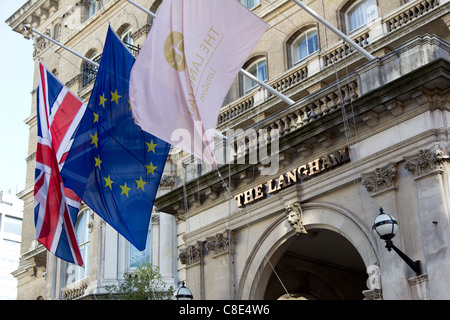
(294, 176)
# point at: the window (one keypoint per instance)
(82, 232)
(259, 70)
(57, 31)
(361, 13)
(129, 42)
(139, 257)
(126, 37)
(250, 3)
(305, 45)
(13, 225)
(89, 71)
(91, 7)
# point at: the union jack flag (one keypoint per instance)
(55, 207)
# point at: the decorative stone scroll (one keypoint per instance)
(381, 179)
(220, 243)
(192, 254)
(294, 215)
(427, 161)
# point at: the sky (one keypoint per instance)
(16, 84)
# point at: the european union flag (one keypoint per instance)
(114, 166)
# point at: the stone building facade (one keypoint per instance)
(290, 214)
(82, 26)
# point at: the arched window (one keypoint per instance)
(74, 272)
(360, 13)
(303, 46)
(257, 69)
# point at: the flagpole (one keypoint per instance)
(142, 8)
(269, 88)
(245, 73)
(341, 35)
(28, 27)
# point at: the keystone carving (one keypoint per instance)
(294, 215)
(427, 161)
(381, 179)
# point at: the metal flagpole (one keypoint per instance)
(245, 73)
(341, 35)
(30, 28)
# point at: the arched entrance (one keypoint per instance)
(321, 265)
(330, 262)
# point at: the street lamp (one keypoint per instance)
(183, 293)
(385, 226)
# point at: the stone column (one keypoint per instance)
(167, 249)
(220, 266)
(434, 229)
(110, 257)
(192, 257)
(381, 185)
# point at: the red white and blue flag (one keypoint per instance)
(55, 207)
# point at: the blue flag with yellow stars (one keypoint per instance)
(114, 166)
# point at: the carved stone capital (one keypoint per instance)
(381, 179)
(427, 161)
(294, 215)
(192, 254)
(220, 243)
(167, 181)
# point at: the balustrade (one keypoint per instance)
(315, 107)
(412, 12)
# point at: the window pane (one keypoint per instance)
(307, 44)
(74, 272)
(302, 49)
(13, 225)
(313, 42)
(259, 70)
(362, 13)
(139, 257)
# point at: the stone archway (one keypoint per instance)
(332, 220)
(321, 265)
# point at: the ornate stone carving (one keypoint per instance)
(155, 219)
(294, 214)
(192, 254)
(40, 44)
(167, 181)
(427, 161)
(381, 179)
(219, 243)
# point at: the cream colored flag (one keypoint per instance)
(193, 53)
